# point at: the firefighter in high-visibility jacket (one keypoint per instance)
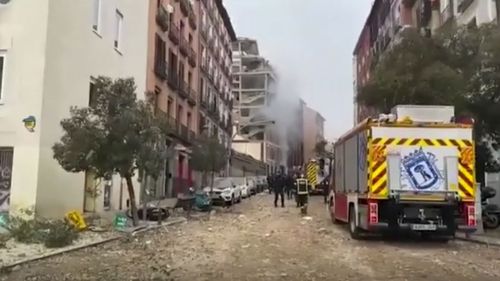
(302, 193)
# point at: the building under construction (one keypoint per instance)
(254, 87)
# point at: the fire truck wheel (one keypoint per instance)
(353, 228)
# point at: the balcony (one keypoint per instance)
(173, 80)
(173, 126)
(185, 7)
(183, 89)
(161, 69)
(204, 32)
(204, 68)
(184, 46)
(192, 20)
(163, 18)
(174, 34)
(192, 57)
(192, 97)
(184, 132)
(211, 43)
(204, 103)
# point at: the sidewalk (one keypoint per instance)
(491, 237)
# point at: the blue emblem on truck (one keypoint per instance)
(420, 169)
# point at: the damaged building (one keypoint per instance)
(254, 87)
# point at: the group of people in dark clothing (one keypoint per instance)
(283, 184)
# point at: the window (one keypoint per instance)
(2, 67)
(188, 124)
(92, 93)
(96, 16)
(118, 30)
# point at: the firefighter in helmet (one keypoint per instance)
(302, 192)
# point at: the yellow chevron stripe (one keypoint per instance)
(421, 142)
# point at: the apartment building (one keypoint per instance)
(172, 80)
(188, 79)
(314, 132)
(254, 87)
(215, 99)
(388, 17)
(49, 53)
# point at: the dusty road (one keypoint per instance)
(258, 242)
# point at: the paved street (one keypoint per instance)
(255, 241)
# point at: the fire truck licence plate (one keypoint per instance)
(424, 227)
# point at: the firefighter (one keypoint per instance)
(302, 187)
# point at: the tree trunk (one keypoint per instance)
(131, 196)
(144, 198)
(212, 183)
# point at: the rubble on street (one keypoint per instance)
(255, 241)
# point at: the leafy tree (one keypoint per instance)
(459, 67)
(209, 156)
(117, 134)
(412, 71)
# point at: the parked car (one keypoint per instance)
(225, 191)
(252, 185)
(246, 183)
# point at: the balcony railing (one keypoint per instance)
(162, 18)
(184, 46)
(183, 89)
(184, 132)
(192, 57)
(174, 34)
(173, 126)
(161, 69)
(173, 80)
(185, 5)
(204, 32)
(192, 19)
(204, 102)
(192, 97)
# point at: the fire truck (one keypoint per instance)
(411, 170)
(318, 175)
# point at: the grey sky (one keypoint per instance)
(310, 43)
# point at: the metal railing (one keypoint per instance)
(183, 89)
(160, 69)
(185, 7)
(173, 79)
(192, 97)
(184, 46)
(192, 57)
(162, 18)
(174, 34)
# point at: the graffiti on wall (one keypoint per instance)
(6, 155)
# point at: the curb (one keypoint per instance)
(478, 240)
(93, 244)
